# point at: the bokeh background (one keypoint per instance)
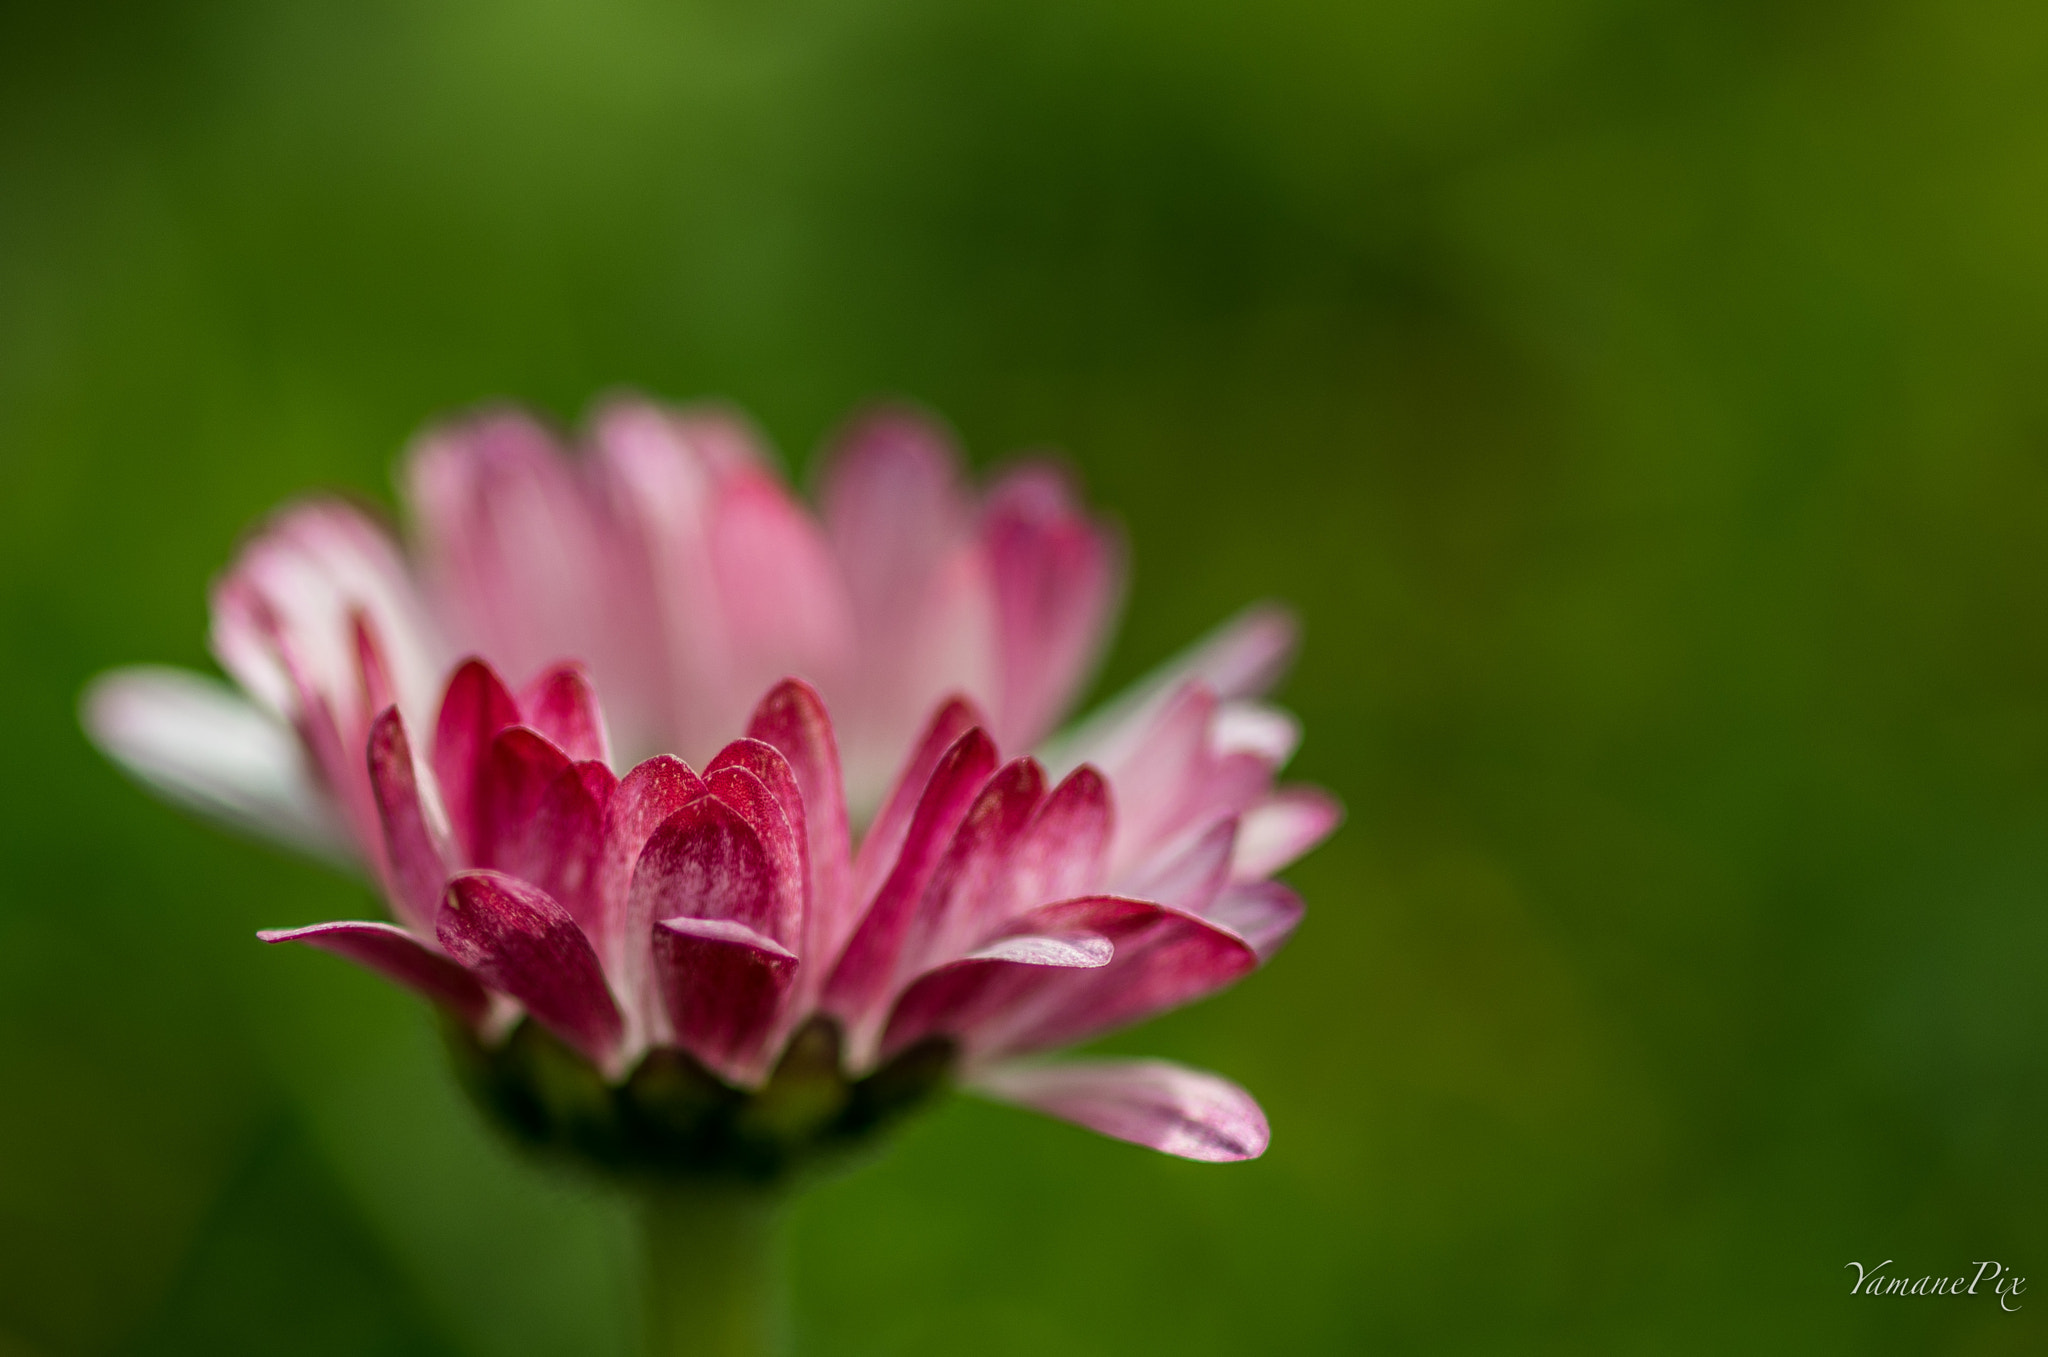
(1646, 406)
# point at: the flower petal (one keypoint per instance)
(1153, 1103)
(562, 705)
(1163, 959)
(301, 581)
(705, 862)
(644, 799)
(781, 601)
(763, 811)
(516, 545)
(517, 938)
(396, 955)
(1263, 913)
(861, 980)
(200, 745)
(1189, 878)
(954, 999)
(1063, 853)
(1240, 659)
(474, 709)
(1281, 828)
(792, 718)
(416, 861)
(722, 986)
(901, 522)
(1056, 576)
(883, 843)
(962, 903)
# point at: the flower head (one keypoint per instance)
(693, 962)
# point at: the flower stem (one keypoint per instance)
(714, 1272)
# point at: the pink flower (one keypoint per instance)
(996, 910)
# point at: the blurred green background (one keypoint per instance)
(1646, 405)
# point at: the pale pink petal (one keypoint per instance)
(518, 939)
(862, 978)
(302, 580)
(1191, 877)
(723, 986)
(396, 955)
(475, 708)
(1153, 1103)
(781, 599)
(901, 524)
(562, 705)
(201, 745)
(1281, 828)
(415, 850)
(516, 546)
(1263, 913)
(1241, 659)
(792, 719)
(1254, 728)
(661, 474)
(1155, 779)
(1056, 575)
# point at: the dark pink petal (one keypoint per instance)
(416, 862)
(962, 904)
(1189, 878)
(1164, 959)
(862, 978)
(775, 775)
(1056, 576)
(644, 799)
(396, 955)
(475, 708)
(883, 843)
(373, 671)
(722, 987)
(562, 705)
(1263, 913)
(518, 939)
(560, 847)
(1064, 851)
(705, 862)
(954, 999)
(518, 767)
(763, 812)
(792, 718)
(1153, 1103)
(1281, 828)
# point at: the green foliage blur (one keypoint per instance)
(1646, 406)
